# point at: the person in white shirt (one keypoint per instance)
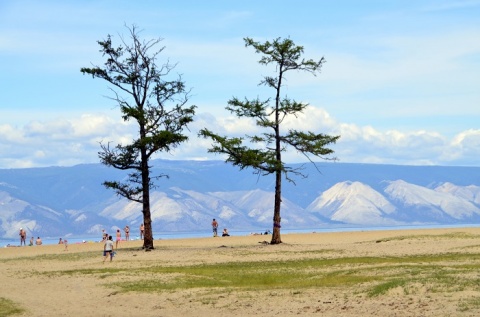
(108, 249)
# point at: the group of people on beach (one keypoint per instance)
(225, 231)
(64, 242)
(108, 246)
(215, 229)
(23, 239)
(126, 230)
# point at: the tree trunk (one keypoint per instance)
(147, 222)
(147, 218)
(276, 239)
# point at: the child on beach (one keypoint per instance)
(108, 249)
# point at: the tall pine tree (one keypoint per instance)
(145, 94)
(264, 151)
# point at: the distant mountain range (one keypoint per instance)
(66, 201)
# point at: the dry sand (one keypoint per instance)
(26, 280)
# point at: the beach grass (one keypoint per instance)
(372, 276)
(366, 273)
(9, 308)
(469, 304)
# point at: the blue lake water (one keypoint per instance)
(206, 234)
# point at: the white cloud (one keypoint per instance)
(60, 141)
(361, 144)
(465, 146)
(385, 66)
(76, 140)
(312, 119)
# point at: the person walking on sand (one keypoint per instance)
(127, 233)
(142, 231)
(108, 249)
(65, 243)
(23, 237)
(215, 227)
(119, 238)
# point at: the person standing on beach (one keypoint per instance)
(119, 238)
(65, 243)
(127, 233)
(108, 249)
(104, 235)
(23, 237)
(215, 227)
(142, 231)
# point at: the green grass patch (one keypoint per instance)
(440, 272)
(63, 256)
(452, 235)
(9, 308)
(373, 276)
(69, 256)
(469, 304)
(383, 288)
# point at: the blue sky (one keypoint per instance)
(400, 85)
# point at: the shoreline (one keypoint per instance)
(314, 238)
(174, 235)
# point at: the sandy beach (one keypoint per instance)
(49, 281)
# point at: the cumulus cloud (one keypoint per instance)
(361, 144)
(465, 146)
(60, 141)
(65, 142)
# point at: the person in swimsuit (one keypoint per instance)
(119, 238)
(215, 227)
(23, 237)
